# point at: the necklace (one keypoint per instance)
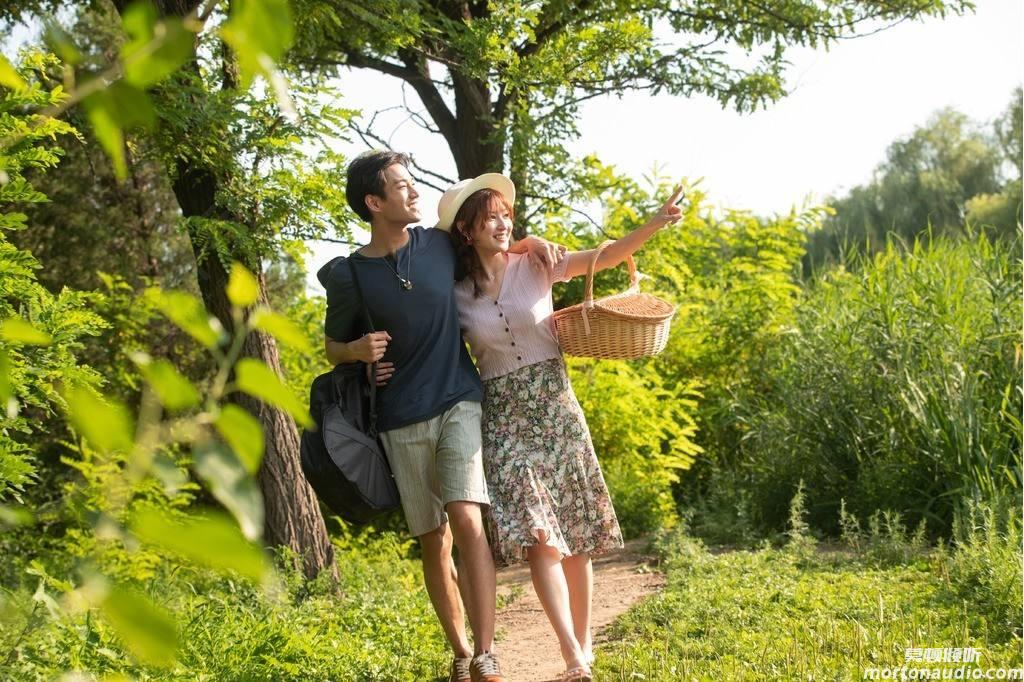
(405, 281)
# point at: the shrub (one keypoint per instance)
(897, 387)
(643, 434)
(985, 565)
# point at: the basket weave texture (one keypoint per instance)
(627, 325)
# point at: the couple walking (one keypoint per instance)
(502, 444)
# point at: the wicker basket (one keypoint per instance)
(623, 326)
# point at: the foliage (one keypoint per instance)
(130, 227)
(800, 542)
(949, 174)
(765, 615)
(376, 624)
(735, 278)
(277, 182)
(41, 334)
(518, 72)
(125, 516)
(299, 366)
(897, 387)
(1009, 130)
(643, 433)
(241, 158)
(985, 564)
(722, 515)
(280, 184)
(885, 541)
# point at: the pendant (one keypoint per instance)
(407, 285)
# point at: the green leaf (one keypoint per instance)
(170, 474)
(212, 540)
(189, 314)
(107, 426)
(231, 484)
(112, 110)
(60, 42)
(109, 134)
(243, 434)
(259, 31)
(9, 77)
(147, 630)
(18, 331)
(175, 391)
(243, 290)
(156, 50)
(139, 20)
(282, 329)
(12, 517)
(6, 390)
(259, 381)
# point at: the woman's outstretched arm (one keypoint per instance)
(617, 251)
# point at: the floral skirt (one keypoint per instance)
(542, 473)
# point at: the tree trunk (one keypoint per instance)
(292, 514)
(518, 162)
(479, 142)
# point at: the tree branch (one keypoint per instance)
(557, 201)
(370, 137)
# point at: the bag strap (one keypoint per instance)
(588, 296)
(373, 366)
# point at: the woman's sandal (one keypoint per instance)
(577, 674)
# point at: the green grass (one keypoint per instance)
(377, 626)
(768, 615)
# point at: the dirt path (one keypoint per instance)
(527, 646)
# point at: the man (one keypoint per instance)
(429, 411)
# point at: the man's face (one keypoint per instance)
(401, 200)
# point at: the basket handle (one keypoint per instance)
(588, 296)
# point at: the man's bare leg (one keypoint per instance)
(440, 578)
(476, 571)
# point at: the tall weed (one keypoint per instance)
(985, 566)
(897, 387)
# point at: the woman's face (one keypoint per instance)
(493, 231)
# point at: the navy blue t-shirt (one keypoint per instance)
(433, 370)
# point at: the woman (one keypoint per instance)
(549, 502)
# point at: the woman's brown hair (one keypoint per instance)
(469, 217)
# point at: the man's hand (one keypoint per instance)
(542, 253)
(385, 370)
(370, 347)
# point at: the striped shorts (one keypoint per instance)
(435, 462)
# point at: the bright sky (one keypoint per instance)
(846, 106)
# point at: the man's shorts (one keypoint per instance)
(435, 462)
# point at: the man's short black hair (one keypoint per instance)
(366, 176)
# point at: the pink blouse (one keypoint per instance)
(516, 330)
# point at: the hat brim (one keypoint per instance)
(495, 181)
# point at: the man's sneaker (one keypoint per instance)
(460, 670)
(484, 668)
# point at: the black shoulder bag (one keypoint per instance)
(343, 459)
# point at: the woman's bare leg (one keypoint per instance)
(549, 582)
(579, 579)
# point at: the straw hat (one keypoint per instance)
(452, 200)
